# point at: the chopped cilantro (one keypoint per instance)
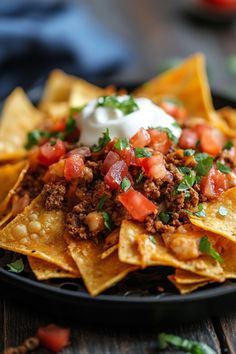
(175, 124)
(127, 106)
(205, 246)
(187, 195)
(107, 221)
(101, 202)
(201, 212)
(53, 142)
(142, 152)
(204, 163)
(102, 141)
(185, 170)
(152, 239)
(139, 178)
(223, 168)
(189, 152)
(228, 145)
(169, 133)
(34, 137)
(164, 217)
(125, 184)
(187, 182)
(16, 266)
(70, 125)
(189, 346)
(222, 210)
(122, 144)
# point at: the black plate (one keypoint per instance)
(134, 300)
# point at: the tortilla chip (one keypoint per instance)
(187, 82)
(219, 122)
(213, 221)
(98, 274)
(38, 232)
(56, 111)
(10, 178)
(109, 251)
(137, 248)
(184, 277)
(186, 288)
(44, 270)
(19, 117)
(83, 92)
(229, 257)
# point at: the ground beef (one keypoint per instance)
(53, 195)
(32, 184)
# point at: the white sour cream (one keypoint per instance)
(94, 120)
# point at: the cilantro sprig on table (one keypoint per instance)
(16, 266)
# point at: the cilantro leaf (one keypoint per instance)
(228, 145)
(70, 125)
(169, 133)
(184, 170)
(223, 168)
(122, 144)
(152, 239)
(34, 137)
(201, 212)
(127, 106)
(204, 163)
(107, 221)
(16, 266)
(125, 184)
(222, 210)
(101, 202)
(205, 246)
(189, 346)
(164, 217)
(187, 182)
(102, 141)
(53, 142)
(175, 124)
(142, 152)
(139, 178)
(189, 152)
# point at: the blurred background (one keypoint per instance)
(114, 41)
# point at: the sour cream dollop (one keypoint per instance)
(94, 120)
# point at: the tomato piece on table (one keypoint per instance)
(138, 206)
(214, 183)
(53, 337)
(159, 141)
(141, 138)
(115, 174)
(111, 158)
(154, 166)
(51, 152)
(188, 139)
(74, 165)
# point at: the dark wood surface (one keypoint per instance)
(157, 31)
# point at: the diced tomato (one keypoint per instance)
(127, 155)
(115, 174)
(53, 337)
(214, 183)
(111, 158)
(138, 206)
(154, 166)
(188, 139)
(50, 153)
(74, 165)
(59, 126)
(177, 111)
(211, 141)
(141, 138)
(159, 141)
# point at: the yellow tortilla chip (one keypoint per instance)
(219, 122)
(98, 274)
(83, 92)
(184, 277)
(44, 270)
(187, 82)
(39, 233)
(186, 288)
(19, 117)
(213, 221)
(229, 258)
(56, 111)
(136, 247)
(10, 178)
(109, 251)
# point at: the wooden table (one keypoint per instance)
(157, 31)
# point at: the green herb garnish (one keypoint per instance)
(53, 142)
(222, 210)
(228, 145)
(139, 178)
(142, 152)
(189, 152)
(201, 212)
(164, 217)
(187, 182)
(34, 137)
(16, 266)
(152, 239)
(127, 106)
(223, 168)
(205, 246)
(204, 163)
(70, 125)
(125, 184)
(107, 221)
(122, 144)
(102, 141)
(184, 170)
(169, 133)
(175, 124)
(101, 202)
(189, 346)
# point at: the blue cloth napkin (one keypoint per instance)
(37, 36)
